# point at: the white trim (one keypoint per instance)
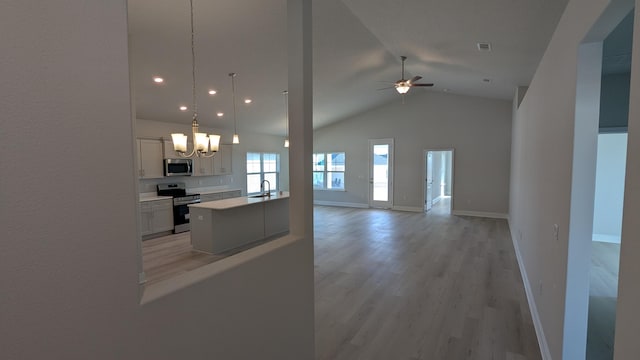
(340, 203)
(614, 239)
(407, 208)
(533, 309)
(480, 214)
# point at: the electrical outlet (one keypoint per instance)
(555, 231)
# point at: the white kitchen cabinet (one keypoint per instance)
(222, 160)
(169, 153)
(150, 154)
(145, 218)
(203, 166)
(156, 216)
(162, 215)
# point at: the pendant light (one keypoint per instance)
(236, 139)
(286, 118)
(203, 145)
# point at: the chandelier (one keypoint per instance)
(203, 145)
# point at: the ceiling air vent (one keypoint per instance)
(484, 46)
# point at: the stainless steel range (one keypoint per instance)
(181, 201)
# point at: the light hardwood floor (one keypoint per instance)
(168, 256)
(395, 285)
(603, 297)
(400, 285)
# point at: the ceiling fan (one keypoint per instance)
(403, 85)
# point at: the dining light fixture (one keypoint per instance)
(286, 117)
(236, 138)
(203, 145)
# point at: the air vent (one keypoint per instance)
(484, 46)
(486, 80)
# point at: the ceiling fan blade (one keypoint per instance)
(421, 84)
(415, 78)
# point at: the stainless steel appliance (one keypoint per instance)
(181, 201)
(178, 167)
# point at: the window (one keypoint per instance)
(262, 166)
(328, 171)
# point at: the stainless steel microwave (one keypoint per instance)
(178, 167)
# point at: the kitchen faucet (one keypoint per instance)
(268, 193)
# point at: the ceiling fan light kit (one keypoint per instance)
(203, 145)
(402, 88)
(403, 85)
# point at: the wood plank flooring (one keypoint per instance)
(168, 256)
(399, 285)
(603, 297)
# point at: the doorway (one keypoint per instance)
(602, 83)
(438, 180)
(381, 173)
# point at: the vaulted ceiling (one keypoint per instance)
(357, 46)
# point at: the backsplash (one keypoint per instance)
(149, 185)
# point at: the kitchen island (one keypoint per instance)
(221, 225)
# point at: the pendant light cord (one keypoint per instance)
(233, 94)
(286, 112)
(193, 65)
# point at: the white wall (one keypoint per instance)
(540, 194)
(478, 129)
(249, 142)
(68, 253)
(610, 173)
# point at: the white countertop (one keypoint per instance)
(239, 201)
(153, 197)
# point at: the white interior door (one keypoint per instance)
(381, 173)
(428, 201)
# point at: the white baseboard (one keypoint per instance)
(480, 214)
(533, 309)
(606, 238)
(407, 208)
(340, 203)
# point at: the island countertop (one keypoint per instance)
(239, 201)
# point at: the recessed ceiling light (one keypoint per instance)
(212, 92)
(220, 114)
(247, 101)
(158, 80)
(183, 108)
